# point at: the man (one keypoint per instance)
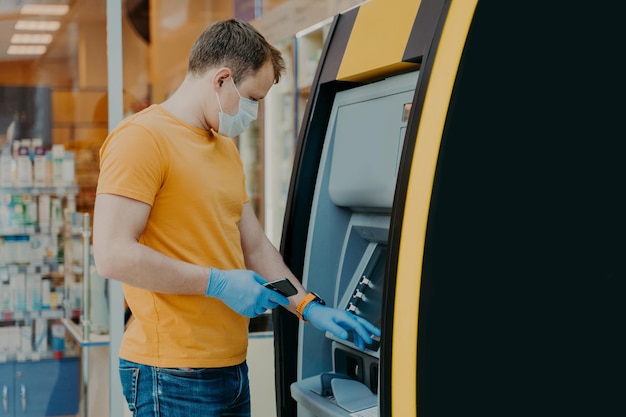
(173, 223)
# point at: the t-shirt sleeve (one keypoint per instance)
(131, 164)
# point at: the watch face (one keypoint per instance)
(318, 298)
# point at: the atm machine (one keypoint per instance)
(347, 241)
(457, 183)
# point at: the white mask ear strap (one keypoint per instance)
(218, 101)
(234, 85)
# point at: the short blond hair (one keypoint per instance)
(235, 44)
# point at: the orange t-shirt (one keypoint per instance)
(195, 183)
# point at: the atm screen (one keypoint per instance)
(367, 297)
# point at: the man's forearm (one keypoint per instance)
(140, 266)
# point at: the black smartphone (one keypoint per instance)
(282, 286)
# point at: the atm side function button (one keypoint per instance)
(359, 294)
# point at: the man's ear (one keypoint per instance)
(220, 76)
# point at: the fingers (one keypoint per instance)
(358, 342)
(368, 326)
(258, 278)
(277, 298)
(341, 323)
(361, 329)
(337, 330)
(272, 296)
(259, 309)
(271, 305)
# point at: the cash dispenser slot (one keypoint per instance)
(346, 396)
(344, 391)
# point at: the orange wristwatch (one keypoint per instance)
(308, 299)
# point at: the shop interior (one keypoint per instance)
(54, 115)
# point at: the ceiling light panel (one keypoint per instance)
(38, 25)
(26, 50)
(45, 9)
(31, 38)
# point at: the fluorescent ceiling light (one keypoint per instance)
(26, 50)
(43, 25)
(31, 38)
(45, 9)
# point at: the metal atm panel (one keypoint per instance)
(346, 246)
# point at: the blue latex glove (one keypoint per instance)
(340, 322)
(243, 291)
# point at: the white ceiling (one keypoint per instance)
(65, 40)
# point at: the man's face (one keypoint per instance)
(253, 87)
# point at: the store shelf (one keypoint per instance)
(31, 315)
(77, 333)
(58, 190)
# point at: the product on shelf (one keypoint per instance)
(26, 163)
(33, 244)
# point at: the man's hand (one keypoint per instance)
(243, 291)
(340, 323)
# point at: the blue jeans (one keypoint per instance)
(184, 392)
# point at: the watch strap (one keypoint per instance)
(308, 299)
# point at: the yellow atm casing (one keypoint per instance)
(378, 40)
(505, 238)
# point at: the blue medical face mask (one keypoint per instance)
(236, 124)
